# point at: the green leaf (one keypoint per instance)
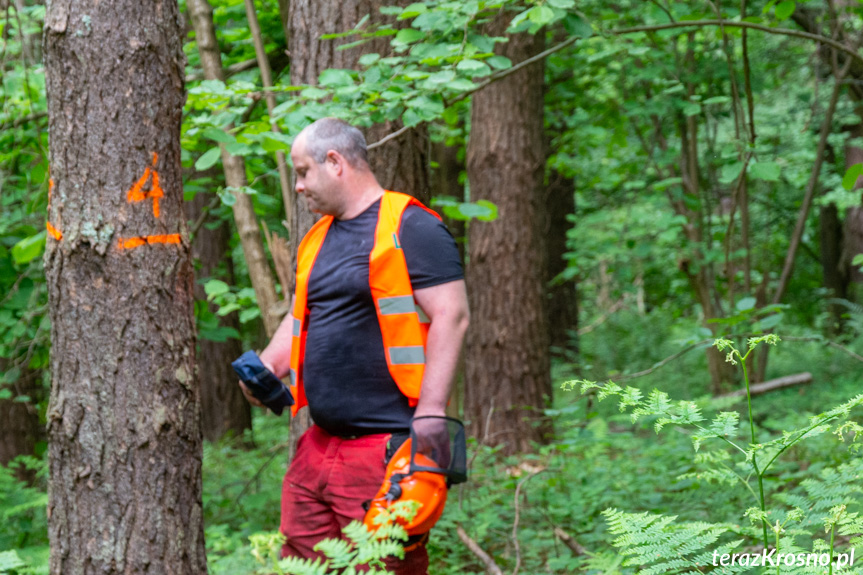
(691, 108)
(746, 303)
(219, 334)
(215, 288)
(770, 321)
(29, 248)
(851, 176)
(717, 100)
(784, 10)
(442, 77)
(461, 85)
(226, 309)
(249, 314)
(517, 21)
(313, 93)
(473, 67)
(335, 78)
(228, 198)
(482, 210)
(729, 172)
(576, 26)
(767, 171)
(238, 149)
(208, 159)
(10, 561)
(858, 260)
(408, 36)
(541, 15)
(369, 59)
(410, 118)
(499, 62)
(562, 4)
(275, 141)
(413, 10)
(218, 135)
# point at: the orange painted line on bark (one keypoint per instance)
(54, 232)
(137, 194)
(164, 239)
(132, 243)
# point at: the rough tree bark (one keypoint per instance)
(399, 165)
(507, 362)
(260, 274)
(223, 406)
(124, 415)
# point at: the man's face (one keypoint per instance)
(315, 181)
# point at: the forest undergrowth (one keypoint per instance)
(551, 511)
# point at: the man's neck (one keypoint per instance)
(361, 200)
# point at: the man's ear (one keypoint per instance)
(336, 162)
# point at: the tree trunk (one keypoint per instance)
(562, 305)
(124, 416)
(223, 406)
(260, 274)
(445, 182)
(507, 345)
(831, 241)
(19, 421)
(853, 234)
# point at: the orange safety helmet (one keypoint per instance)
(426, 487)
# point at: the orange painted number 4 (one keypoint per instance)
(137, 193)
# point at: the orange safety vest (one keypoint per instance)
(404, 327)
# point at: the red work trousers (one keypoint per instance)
(325, 487)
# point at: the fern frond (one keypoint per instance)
(297, 566)
(338, 551)
(660, 546)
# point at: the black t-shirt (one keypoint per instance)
(347, 382)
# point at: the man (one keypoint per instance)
(364, 362)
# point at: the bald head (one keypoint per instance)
(328, 134)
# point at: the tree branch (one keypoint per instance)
(491, 567)
(751, 25)
(828, 343)
(570, 541)
(622, 32)
(23, 120)
(491, 79)
(797, 235)
(515, 523)
(772, 385)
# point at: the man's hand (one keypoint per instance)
(249, 397)
(246, 392)
(433, 439)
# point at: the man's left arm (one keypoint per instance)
(447, 308)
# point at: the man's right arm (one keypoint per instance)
(277, 355)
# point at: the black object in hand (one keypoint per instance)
(263, 383)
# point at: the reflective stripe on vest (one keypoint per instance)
(404, 327)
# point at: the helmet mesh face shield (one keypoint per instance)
(441, 442)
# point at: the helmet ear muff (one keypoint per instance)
(395, 490)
